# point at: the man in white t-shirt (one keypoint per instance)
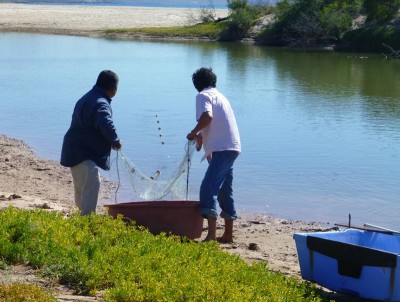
(216, 130)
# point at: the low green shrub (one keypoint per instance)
(20, 292)
(100, 253)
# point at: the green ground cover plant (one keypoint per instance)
(128, 263)
(211, 31)
(20, 292)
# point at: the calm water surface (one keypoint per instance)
(320, 131)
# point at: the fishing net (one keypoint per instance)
(154, 187)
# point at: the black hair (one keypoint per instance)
(203, 78)
(107, 80)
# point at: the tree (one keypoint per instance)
(241, 18)
(298, 22)
(311, 22)
(337, 16)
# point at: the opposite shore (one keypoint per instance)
(91, 21)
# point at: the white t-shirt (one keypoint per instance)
(222, 133)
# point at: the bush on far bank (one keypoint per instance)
(241, 18)
(372, 39)
(381, 11)
(304, 23)
(316, 23)
(293, 23)
(310, 23)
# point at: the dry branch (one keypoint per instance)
(393, 53)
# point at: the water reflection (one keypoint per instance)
(336, 82)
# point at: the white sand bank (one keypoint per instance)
(76, 18)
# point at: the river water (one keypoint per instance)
(320, 131)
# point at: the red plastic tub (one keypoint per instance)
(177, 217)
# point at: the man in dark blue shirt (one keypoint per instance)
(88, 142)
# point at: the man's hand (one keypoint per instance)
(191, 136)
(117, 147)
(204, 121)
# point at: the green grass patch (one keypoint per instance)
(97, 252)
(204, 30)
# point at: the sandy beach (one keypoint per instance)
(28, 181)
(91, 20)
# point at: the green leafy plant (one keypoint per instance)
(97, 252)
(20, 292)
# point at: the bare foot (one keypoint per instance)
(225, 239)
(209, 238)
(212, 229)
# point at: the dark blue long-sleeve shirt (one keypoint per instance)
(92, 132)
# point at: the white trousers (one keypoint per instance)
(87, 185)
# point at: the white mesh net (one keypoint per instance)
(155, 188)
